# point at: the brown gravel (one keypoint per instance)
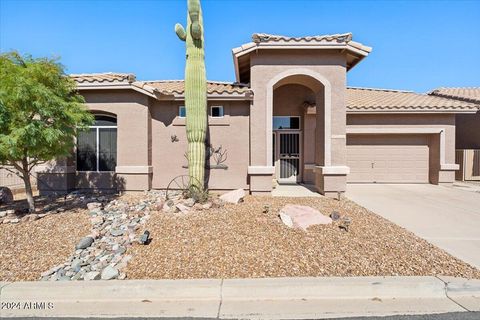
(240, 241)
(29, 248)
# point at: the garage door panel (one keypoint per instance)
(388, 159)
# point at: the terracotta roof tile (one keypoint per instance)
(103, 77)
(471, 94)
(384, 100)
(178, 87)
(265, 37)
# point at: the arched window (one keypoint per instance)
(97, 146)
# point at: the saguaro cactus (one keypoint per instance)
(195, 91)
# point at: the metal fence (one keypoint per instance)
(11, 180)
(469, 161)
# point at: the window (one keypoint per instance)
(182, 112)
(286, 123)
(97, 146)
(216, 111)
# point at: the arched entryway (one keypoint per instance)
(300, 125)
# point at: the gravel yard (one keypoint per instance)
(29, 248)
(238, 241)
(233, 241)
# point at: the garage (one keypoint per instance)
(388, 158)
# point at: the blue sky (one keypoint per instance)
(416, 45)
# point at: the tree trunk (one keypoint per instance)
(28, 185)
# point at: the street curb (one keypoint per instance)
(262, 298)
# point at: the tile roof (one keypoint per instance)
(265, 37)
(361, 100)
(469, 94)
(178, 87)
(103, 77)
(384, 100)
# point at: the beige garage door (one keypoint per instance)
(388, 159)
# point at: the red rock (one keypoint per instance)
(296, 216)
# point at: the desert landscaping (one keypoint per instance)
(91, 237)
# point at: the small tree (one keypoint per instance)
(40, 111)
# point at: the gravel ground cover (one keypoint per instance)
(238, 241)
(31, 247)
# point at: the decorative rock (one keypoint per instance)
(84, 243)
(335, 215)
(94, 205)
(122, 276)
(296, 216)
(16, 220)
(92, 275)
(97, 220)
(3, 214)
(116, 232)
(6, 195)
(109, 273)
(64, 278)
(234, 196)
(10, 212)
(182, 208)
(168, 205)
(190, 202)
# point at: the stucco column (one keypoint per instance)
(330, 163)
(260, 170)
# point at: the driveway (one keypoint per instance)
(447, 217)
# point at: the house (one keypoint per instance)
(288, 117)
(467, 135)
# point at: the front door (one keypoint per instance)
(287, 156)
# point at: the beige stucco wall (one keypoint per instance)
(326, 69)
(231, 132)
(445, 122)
(133, 140)
(468, 131)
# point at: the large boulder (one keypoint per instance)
(6, 195)
(297, 216)
(234, 196)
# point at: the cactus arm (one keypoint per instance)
(194, 14)
(180, 31)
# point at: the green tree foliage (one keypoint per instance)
(40, 112)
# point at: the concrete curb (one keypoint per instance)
(270, 298)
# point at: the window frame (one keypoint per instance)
(179, 112)
(299, 122)
(217, 106)
(97, 144)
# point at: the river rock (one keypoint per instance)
(92, 275)
(109, 273)
(84, 243)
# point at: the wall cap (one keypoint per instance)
(261, 170)
(332, 170)
(449, 166)
(134, 169)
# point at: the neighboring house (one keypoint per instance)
(467, 135)
(289, 116)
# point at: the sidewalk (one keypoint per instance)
(273, 298)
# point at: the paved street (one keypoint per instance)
(448, 217)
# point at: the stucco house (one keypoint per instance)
(467, 135)
(289, 117)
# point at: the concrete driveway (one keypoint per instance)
(447, 217)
